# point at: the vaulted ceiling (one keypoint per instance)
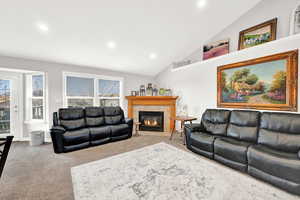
(136, 36)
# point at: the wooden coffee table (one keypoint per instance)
(183, 120)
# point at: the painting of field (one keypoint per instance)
(263, 83)
(257, 37)
(215, 49)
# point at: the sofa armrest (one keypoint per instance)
(193, 127)
(56, 133)
(129, 121)
(58, 129)
(299, 154)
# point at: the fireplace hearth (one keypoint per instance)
(151, 121)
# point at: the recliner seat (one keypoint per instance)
(275, 158)
(213, 124)
(76, 128)
(241, 133)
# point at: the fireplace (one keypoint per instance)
(151, 121)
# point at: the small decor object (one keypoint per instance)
(133, 93)
(155, 90)
(267, 83)
(137, 93)
(168, 92)
(181, 63)
(142, 90)
(161, 91)
(295, 21)
(149, 91)
(216, 49)
(259, 34)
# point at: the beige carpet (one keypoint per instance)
(36, 173)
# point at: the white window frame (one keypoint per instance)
(30, 97)
(96, 98)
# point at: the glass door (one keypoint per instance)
(10, 97)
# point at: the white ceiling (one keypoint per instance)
(80, 30)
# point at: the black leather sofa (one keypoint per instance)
(77, 128)
(265, 145)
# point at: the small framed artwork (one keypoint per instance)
(216, 49)
(295, 21)
(258, 34)
(267, 83)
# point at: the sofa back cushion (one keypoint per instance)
(113, 115)
(243, 125)
(215, 121)
(280, 131)
(94, 116)
(71, 118)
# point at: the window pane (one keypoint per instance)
(109, 102)
(37, 85)
(82, 87)
(37, 109)
(80, 102)
(4, 106)
(109, 88)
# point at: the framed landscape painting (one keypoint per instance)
(267, 83)
(216, 49)
(259, 34)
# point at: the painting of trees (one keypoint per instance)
(279, 82)
(264, 83)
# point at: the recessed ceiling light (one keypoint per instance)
(111, 45)
(42, 27)
(152, 56)
(201, 3)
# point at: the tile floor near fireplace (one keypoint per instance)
(151, 121)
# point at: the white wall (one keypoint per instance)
(54, 75)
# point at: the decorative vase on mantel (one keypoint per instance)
(142, 90)
(149, 91)
(155, 91)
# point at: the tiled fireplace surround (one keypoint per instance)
(165, 109)
(167, 105)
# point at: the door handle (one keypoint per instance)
(16, 108)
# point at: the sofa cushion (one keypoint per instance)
(232, 149)
(94, 116)
(113, 115)
(276, 163)
(119, 129)
(215, 121)
(76, 136)
(202, 141)
(72, 118)
(280, 131)
(100, 132)
(243, 125)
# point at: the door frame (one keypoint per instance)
(16, 92)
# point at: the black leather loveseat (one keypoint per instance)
(265, 145)
(76, 128)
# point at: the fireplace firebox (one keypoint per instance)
(151, 121)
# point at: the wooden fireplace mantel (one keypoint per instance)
(153, 101)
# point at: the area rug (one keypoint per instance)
(163, 172)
